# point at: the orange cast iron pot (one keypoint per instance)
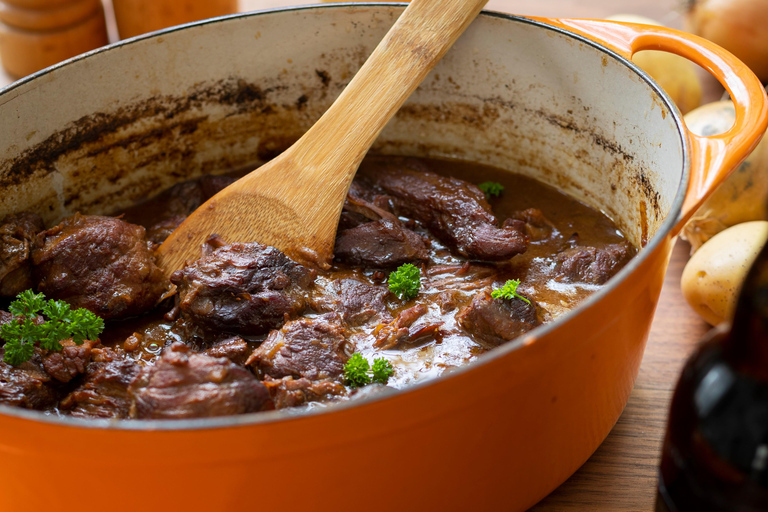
(560, 98)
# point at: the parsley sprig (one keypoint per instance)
(405, 281)
(509, 291)
(358, 372)
(491, 188)
(59, 322)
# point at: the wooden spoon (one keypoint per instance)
(294, 201)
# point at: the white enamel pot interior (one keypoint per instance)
(98, 133)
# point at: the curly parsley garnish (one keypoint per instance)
(59, 322)
(405, 281)
(358, 372)
(509, 291)
(382, 370)
(491, 188)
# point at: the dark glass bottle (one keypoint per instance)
(715, 453)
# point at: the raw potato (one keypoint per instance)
(713, 276)
(675, 74)
(739, 26)
(743, 196)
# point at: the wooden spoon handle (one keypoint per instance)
(411, 48)
(294, 201)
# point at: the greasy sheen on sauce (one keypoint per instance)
(445, 275)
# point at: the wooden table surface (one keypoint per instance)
(621, 475)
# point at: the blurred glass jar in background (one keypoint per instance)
(715, 453)
(134, 17)
(35, 34)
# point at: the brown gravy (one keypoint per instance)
(445, 275)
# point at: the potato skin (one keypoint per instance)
(743, 196)
(713, 276)
(676, 75)
(736, 25)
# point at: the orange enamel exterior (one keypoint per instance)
(440, 447)
(499, 434)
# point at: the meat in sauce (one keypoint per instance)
(103, 390)
(184, 384)
(247, 289)
(17, 234)
(245, 329)
(102, 264)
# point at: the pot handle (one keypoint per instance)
(713, 157)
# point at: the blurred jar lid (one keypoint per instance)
(134, 17)
(37, 4)
(23, 51)
(59, 15)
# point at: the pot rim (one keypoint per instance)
(284, 415)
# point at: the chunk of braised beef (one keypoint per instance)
(361, 191)
(454, 210)
(184, 384)
(293, 392)
(315, 348)
(245, 289)
(352, 217)
(5, 317)
(349, 220)
(17, 235)
(411, 326)
(466, 278)
(69, 362)
(27, 385)
(356, 301)
(591, 265)
(158, 232)
(181, 200)
(491, 322)
(235, 349)
(102, 264)
(212, 243)
(449, 300)
(384, 241)
(103, 390)
(359, 302)
(537, 226)
(184, 198)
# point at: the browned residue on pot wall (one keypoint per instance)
(138, 149)
(109, 160)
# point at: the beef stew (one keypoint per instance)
(245, 329)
